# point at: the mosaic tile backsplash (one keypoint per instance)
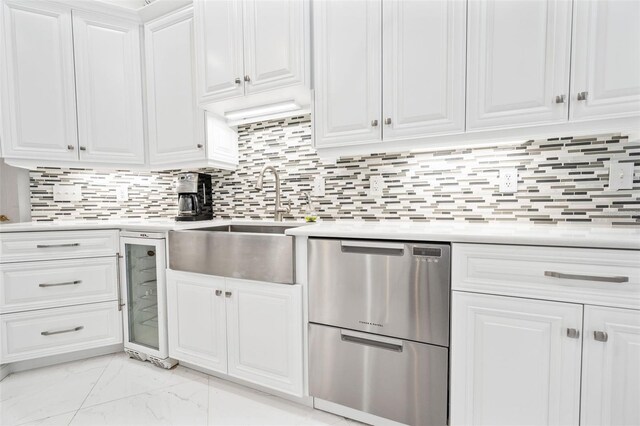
(559, 180)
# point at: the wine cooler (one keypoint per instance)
(144, 296)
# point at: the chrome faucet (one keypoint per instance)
(278, 210)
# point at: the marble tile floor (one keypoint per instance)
(116, 390)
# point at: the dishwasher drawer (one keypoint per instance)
(391, 288)
(395, 379)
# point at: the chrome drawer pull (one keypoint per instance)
(370, 342)
(365, 247)
(57, 245)
(51, 333)
(57, 284)
(600, 336)
(586, 277)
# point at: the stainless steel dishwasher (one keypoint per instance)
(379, 332)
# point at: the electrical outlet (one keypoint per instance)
(67, 192)
(122, 193)
(620, 176)
(318, 187)
(376, 184)
(508, 181)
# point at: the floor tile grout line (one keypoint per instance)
(113, 356)
(46, 417)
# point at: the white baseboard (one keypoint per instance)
(30, 364)
(352, 413)
(304, 400)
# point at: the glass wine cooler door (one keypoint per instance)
(142, 295)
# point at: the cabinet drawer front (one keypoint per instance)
(24, 246)
(48, 332)
(36, 285)
(592, 276)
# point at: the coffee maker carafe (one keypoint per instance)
(194, 197)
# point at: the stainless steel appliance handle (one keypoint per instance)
(562, 275)
(369, 340)
(51, 333)
(57, 284)
(204, 194)
(57, 245)
(120, 304)
(372, 247)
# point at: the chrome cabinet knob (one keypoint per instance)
(600, 336)
(83, 148)
(582, 96)
(70, 147)
(218, 292)
(238, 80)
(199, 146)
(573, 333)
(227, 294)
(560, 99)
(247, 78)
(374, 123)
(387, 121)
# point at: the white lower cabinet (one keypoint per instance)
(197, 320)
(611, 367)
(519, 358)
(247, 329)
(513, 361)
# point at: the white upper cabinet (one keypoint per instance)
(176, 124)
(39, 104)
(347, 72)
(274, 44)
(611, 367)
(109, 89)
(424, 50)
(514, 361)
(252, 54)
(605, 80)
(219, 49)
(518, 62)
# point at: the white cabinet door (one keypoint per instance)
(39, 104)
(347, 72)
(109, 88)
(176, 124)
(517, 62)
(424, 48)
(274, 43)
(512, 361)
(265, 334)
(611, 367)
(606, 59)
(219, 48)
(196, 317)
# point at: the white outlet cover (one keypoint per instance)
(620, 176)
(122, 193)
(509, 181)
(376, 184)
(67, 192)
(318, 187)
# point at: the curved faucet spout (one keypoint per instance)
(278, 210)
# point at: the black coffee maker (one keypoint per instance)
(194, 197)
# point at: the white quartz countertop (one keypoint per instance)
(149, 225)
(574, 235)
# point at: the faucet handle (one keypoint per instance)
(285, 208)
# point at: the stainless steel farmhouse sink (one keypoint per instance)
(253, 252)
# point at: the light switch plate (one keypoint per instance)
(67, 192)
(376, 184)
(509, 181)
(620, 176)
(318, 187)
